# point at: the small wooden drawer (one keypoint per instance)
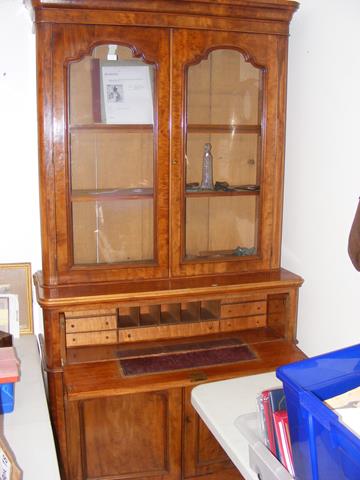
(91, 338)
(90, 324)
(242, 323)
(243, 309)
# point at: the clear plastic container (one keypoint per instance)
(262, 461)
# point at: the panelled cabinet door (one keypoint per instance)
(227, 161)
(203, 455)
(110, 151)
(134, 436)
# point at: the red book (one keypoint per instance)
(281, 424)
(269, 422)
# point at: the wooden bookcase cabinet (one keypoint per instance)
(137, 253)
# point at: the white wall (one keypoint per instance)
(322, 161)
(323, 170)
(20, 230)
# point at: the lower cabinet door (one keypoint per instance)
(133, 436)
(203, 455)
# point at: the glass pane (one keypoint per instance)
(223, 156)
(235, 215)
(111, 151)
(234, 158)
(113, 231)
(224, 89)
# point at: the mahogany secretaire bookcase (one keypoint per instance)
(161, 153)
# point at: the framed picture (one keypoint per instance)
(16, 297)
(123, 92)
(4, 313)
(9, 314)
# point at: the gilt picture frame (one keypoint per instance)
(15, 283)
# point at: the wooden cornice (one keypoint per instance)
(264, 10)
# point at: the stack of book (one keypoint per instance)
(274, 425)
(9, 374)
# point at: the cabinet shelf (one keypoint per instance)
(126, 128)
(221, 193)
(223, 128)
(191, 128)
(112, 194)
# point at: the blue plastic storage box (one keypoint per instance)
(6, 397)
(323, 448)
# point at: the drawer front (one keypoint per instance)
(90, 324)
(242, 323)
(243, 309)
(91, 338)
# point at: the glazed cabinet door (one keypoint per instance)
(107, 171)
(133, 436)
(227, 151)
(203, 455)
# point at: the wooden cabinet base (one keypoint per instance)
(138, 436)
(116, 421)
(145, 426)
